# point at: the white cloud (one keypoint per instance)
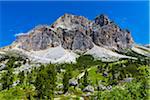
(19, 34)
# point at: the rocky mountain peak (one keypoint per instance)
(102, 20)
(71, 22)
(77, 33)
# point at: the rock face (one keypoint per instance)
(102, 20)
(76, 33)
(40, 38)
(110, 35)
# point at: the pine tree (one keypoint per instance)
(21, 77)
(51, 71)
(45, 82)
(85, 78)
(29, 77)
(66, 82)
(67, 77)
(7, 78)
(39, 82)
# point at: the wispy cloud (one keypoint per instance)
(19, 34)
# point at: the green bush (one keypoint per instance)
(129, 91)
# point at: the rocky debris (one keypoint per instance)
(147, 45)
(102, 87)
(105, 54)
(24, 67)
(141, 50)
(89, 88)
(76, 33)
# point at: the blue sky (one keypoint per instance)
(17, 17)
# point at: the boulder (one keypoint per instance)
(89, 88)
(109, 87)
(2, 66)
(105, 74)
(102, 87)
(73, 82)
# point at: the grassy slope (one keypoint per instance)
(93, 75)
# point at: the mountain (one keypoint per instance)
(71, 35)
(76, 33)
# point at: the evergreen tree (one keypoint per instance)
(45, 82)
(29, 77)
(67, 77)
(7, 79)
(21, 77)
(50, 88)
(66, 82)
(39, 82)
(85, 78)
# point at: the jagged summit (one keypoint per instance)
(69, 21)
(77, 33)
(102, 20)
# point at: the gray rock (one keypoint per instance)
(73, 82)
(2, 66)
(88, 94)
(89, 88)
(109, 87)
(128, 79)
(41, 38)
(58, 92)
(1, 56)
(15, 83)
(105, 74)
(102, 20)
(77, 33)
(82, 42)
(111, 36)
(102, 87)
